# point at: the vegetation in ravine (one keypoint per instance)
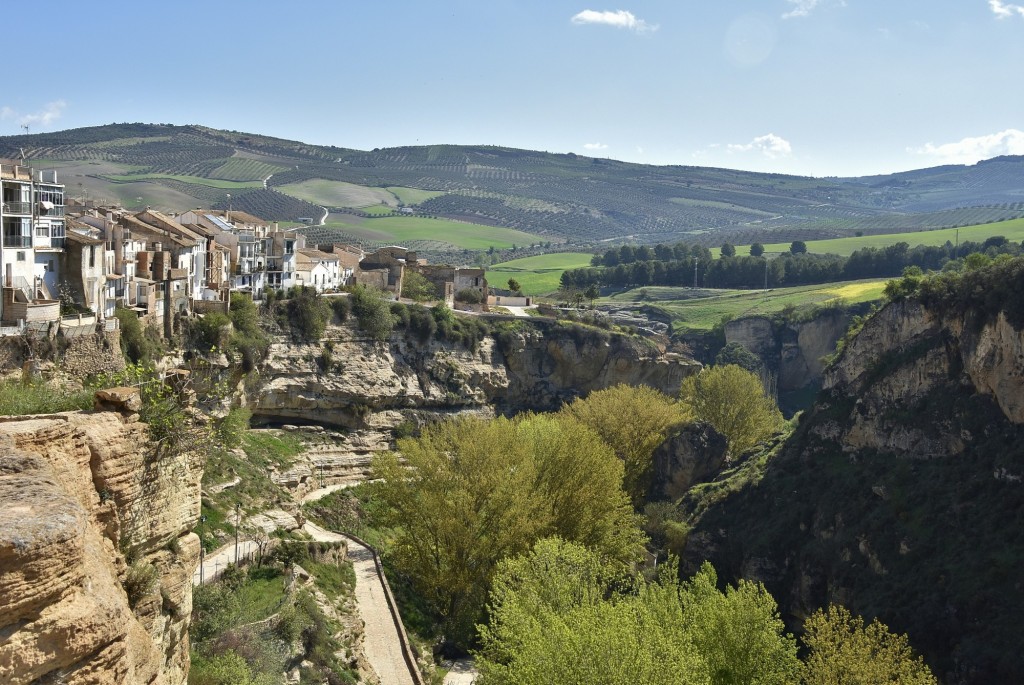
(560, 614)
(252, 626)
(511, 483)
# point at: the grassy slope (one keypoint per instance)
(338, 193)
(703, 313)
(400, 229)
(413, 196)
(1011, 230)
(537, 275)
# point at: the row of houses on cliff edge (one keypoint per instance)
(63, 259)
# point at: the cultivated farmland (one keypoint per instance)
(421, 232)
(537, 275)
(703, 313)
(1011, 230)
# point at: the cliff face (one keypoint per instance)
(795, 350)
(376, 385)
(901, 494)
(80, 492)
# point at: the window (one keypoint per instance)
(21, 256)
(92, 257)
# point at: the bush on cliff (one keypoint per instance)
(373, 312)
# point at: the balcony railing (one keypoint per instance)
(17, 240)
(17, 208)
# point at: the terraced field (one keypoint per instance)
(537, 275)
(194, 180)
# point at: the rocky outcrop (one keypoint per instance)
(377, 385)
(693, 454)
(82, 494)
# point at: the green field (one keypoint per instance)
(197, 180)
(538, 275)
(703, 313)
(378, 210)
(413, 196)
(403, 229)
(338, 193)
(1011, 230)
(242, 169)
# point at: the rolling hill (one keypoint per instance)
(563, 198)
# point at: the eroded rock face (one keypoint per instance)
(77, 492)
(376, 385)
(795, 350)
(906, 356)
(693, 454)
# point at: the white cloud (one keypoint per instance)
(49, 114)
(801, 8)
(639, 150)
(972, 150)
(771, 146)
(1004, 10)
(595, 147)
(620, 19)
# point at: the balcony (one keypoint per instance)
(54, 243)
(11, 240)
(15, 172)
(18, 208)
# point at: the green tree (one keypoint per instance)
(842, 650)
(559, 615)
(735, 353)
(798, 247)
(514, 285)
(416, 287)
(756, 250)
(738, 632)
(734, 402)
(650, 415)
(592, 293)
(728, 250)
(472, 492)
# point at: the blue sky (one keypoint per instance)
(819, 87)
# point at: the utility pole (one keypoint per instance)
(238, 518)
(694, 273)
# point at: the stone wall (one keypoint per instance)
(78, 356)
(98, 353)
